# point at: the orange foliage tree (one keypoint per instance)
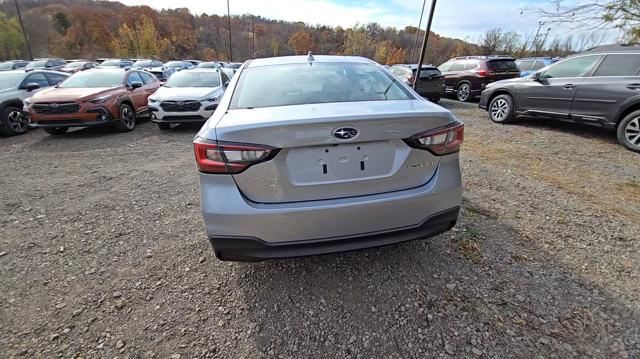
(301, 43)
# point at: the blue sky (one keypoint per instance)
(454, 18)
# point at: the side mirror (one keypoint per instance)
(537, 76)
(32, 86)
(136, 85)
(48, 66)
(225, 84)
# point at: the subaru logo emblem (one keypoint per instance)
(54, 105)
(345, 133)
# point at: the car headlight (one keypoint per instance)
(212, 99)
(154, 100)
(101, 99)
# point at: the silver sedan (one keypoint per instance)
(311, 155)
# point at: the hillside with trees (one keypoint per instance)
(92, 29)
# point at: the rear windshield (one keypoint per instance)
(175, 64)
(94, 78)
(37, 64)
(74, 65)
(209, 65)
(142, 63)
(193, 78)
(10, 79)
(502, 65)
(6, 65)
(296, 84)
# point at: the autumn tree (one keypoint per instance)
(141, 40)
(301, 43)
(383, 50)
(397, 56)
(11, 39)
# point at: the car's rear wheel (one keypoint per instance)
(501, 109)
(56, 131)
(463, 93)
(126, 119)
(14, 122)
(164, 126)
(629, 131)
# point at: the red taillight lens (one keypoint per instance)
(441, 140)
(411, 79)
(230, 158)
(482, 73)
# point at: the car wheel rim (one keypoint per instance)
(17, 121)
(463, 92)
(632, 131)
(499, 109)
(128, 118)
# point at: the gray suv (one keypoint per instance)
(600, 87)
(15, 87)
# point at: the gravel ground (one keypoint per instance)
(103, 254)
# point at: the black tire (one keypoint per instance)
(629, 131)
(56, 131)
(501, 109)
(126, 119)
(164, 126)
(463, 92)
(13, 121)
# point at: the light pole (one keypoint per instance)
(415, 42)
(24, 33)
(229, 21)
(424, 43)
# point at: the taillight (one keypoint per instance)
(230, 158)
(439, 141)
(411, 79)
(482, 73)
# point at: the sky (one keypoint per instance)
(463, 19)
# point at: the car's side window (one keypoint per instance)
(471, 64)
(146, 78)
(446, 66)
(525, 65)
(619, 65)
(134, 77)
(457, 65)
(55, 79)
(538, 64)
(37, 78)
(576, 67)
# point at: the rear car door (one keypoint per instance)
(552, 94)
(430, 83)
(600, 96)
(139, 95)
(452, 75)
(54, 78)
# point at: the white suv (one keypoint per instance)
(15, 87)
(188, 96)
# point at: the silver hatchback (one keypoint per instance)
(311, 155)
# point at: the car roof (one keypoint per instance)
(303, 59)
(630, 47)
(538, 58)
(415, 66)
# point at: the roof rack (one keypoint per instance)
(483, 57)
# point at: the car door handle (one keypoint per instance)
(569, 87)
(633, 86)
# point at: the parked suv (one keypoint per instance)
(599, 87)
(466, 77)
(13, 65)
(188, 96)
(93, 97)
(431, 84)
(48, 64)
(530, 65)
(15, 87)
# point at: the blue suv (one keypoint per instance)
(530, 65)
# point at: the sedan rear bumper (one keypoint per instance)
(255, 249)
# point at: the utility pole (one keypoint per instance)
(535, 38)
(415, 42)
(24, 33)
(253, 37)
(229, 21)
(424, 43)
(364, 50)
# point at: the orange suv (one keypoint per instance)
(93, 98)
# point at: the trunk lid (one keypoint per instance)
(313, 164)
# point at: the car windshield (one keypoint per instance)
(209, 65)
(296, 84)
(112, 63)
(6, 65)
(175, 64)
(94, 78)
(194, 78)
(37, 64)
(10, 79)
(74, 65)
(142, 63)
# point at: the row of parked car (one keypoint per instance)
(599, 87)
(109, 93)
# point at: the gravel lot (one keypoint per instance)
(103, 254)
